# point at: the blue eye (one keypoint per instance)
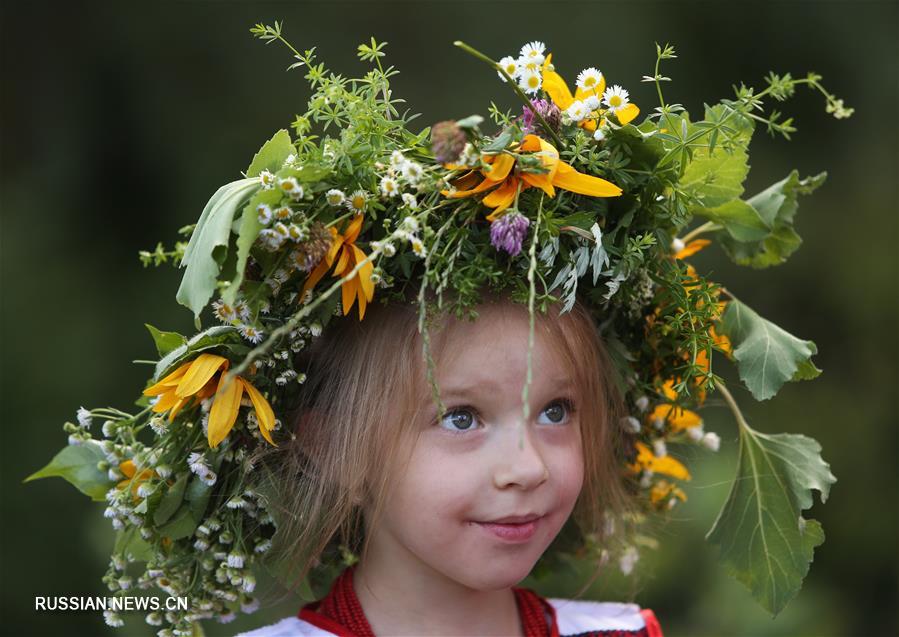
(463, 419)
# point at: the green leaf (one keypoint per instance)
(767, 356)
(471, 122)
(740, 220)
(198, 495)
(500, 143)
(209, 243)
(181, 525)
(718, 179)
(776, 206)
(129, 542)
(77, 464)
(246, 236)
(171, 500)
(272, 154)
(165, 341)
(764, 541)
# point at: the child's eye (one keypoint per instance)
(465, 418)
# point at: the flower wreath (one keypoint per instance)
(582, 201)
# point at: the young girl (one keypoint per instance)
(451, 512)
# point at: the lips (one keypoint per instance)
(515, 528)
(514, 519)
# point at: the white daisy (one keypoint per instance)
(158, 425)
(389, 187)
(264, 214)
(335, 197)
(290, 186)
(249, 606)
(615, 98)
(412, 171)
(208, 477)
(251, 333)
(224, 312)
(577, 111)
(418, 247)
(283, 213)
(357, 201)
(599, 135)
(296, 233)
(533, 51)
(84, 417)
(242, 309)
(290, 160)
(524, 64)
(410, 201)
(509, 65)
(592, 102)
(267, 179)
(397, 159)
(282, 230)
(589, 78)
(530, 81)
(196, 462)
(711, 441)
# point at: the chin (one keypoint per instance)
(499, 574)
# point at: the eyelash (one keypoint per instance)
(567, 403)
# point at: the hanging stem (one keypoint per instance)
(524, 98)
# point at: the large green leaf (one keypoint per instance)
(246, 236)
(717, 179)
(765, 543)
(272, 154)
(767, 356)
(208, 244)
(776, 206)
(77, 464)
(165, 341)
(740, 220)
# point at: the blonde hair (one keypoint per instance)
(346, 448)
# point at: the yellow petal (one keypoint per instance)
(555, 87)
(335, 246)
(348, 290)
(581, 93)
(127, 468)
(481, 187)
(265, 416)
(166, 401)
(314, 276)
(368, 288)
(343, 262)
(570, 179)
(501, 198)
(692, 248)
(172, 379)
(199, 373)
(677, 417)
(542, 182)
(500, 167)
(352, 231)
(177, 407)
(224, 409)
(628, 113)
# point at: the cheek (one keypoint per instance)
(568, 470)
(437, 486)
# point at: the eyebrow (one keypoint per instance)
(563, 385)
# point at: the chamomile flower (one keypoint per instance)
(282, 230)
(615, 98)
(251, 333)
(599, 135)
(290, 186)
(577, 111)
(264, 214)
(533, 51)
(335, 197)
(84, 417)
(242, 310)
(397, 159)
(357, 201)
(592, 102)
(224, 312)
(525, 64)
(510, 66)
(530, 81)
(267, 180)
(389, 187)
(418, 247)
(409, 200)
(411, 171)
(589, 78)
(711, 440)
(282, 213)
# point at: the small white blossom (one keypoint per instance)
(226, 618)
(577, 111)
(530, 81)
(695, 433)
(410, 224)
(631, 424)
(201, 544)
(263, 546)
(412, 171)
(628, 559)
(357, 201)
(251, 333)
(389, 187)
(235, 559)
(418, 247)
(249, 584)
(224, 312)
(397, 159)
(510, 66)
(109, 428)
(264, 214)
(410, 201)
(533, 52)
(113, 619)
(154, 619)
(251, 605)
(592, 102)
(589, 79)
(335, 197)
(164, 471)
(711, 440)
(267, 180)
(290, 186)
(615, 98)
(659, 448)
(84, 417)
(236, 502)
(642, 403)
(677, 245)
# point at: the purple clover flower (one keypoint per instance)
(508, 232)
(549, 111)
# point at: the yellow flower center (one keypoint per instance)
(590, 81)
(615, 100)
(533, 81)
(358, 202)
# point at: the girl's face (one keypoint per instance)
(476, 465)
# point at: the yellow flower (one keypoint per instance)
(508, 183)
(347, 255)
(128, 470)
(197, 380)
(676, 417)
(691, 248)
(646, 459)
(557, 89)
(663, 490)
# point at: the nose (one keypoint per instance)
(519, 461)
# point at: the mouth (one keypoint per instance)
(516, 528)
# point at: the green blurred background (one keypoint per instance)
(120, 120)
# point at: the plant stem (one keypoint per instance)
(735, 409)
(524, 98)
(708, 226)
